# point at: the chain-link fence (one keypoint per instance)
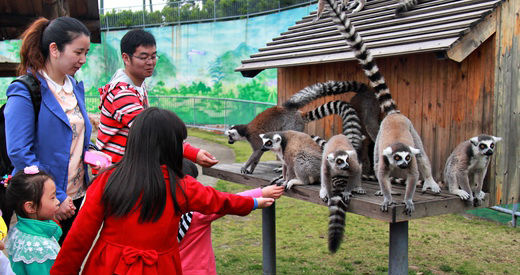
(190, 11)
(204, 112)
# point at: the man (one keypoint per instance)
(125, 96)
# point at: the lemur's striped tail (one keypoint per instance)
(405, 5)
(393, 180)
(338, 204)
(321, 89)
(350, 120)
(321, 142)
(364, 56)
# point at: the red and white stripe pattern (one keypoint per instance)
(120, 104)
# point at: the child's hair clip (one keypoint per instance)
(5, 180)
(31, 170)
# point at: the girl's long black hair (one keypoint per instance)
(155, 138)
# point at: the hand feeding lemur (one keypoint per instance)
(288, 117)
(357, 5)
(467, 165)
(340, 176)
(398, 146)
(300, 155)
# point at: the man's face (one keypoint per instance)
(142, 63)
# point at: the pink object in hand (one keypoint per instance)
(96, 160)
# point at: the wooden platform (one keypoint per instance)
(426, 204)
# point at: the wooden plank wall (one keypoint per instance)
(448, 102)
(506, 184)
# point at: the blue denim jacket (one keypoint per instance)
(48, 145)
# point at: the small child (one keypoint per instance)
(32, 244)
(194, 236)
(5, 267)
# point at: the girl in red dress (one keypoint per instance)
(139, 201)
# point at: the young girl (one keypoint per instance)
(5, 266)
(140, 202)
(32, 243)
(194, 237)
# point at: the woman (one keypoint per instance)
(52, 51)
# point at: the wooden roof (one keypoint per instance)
(455, 27)
(16, 15)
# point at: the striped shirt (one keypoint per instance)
(120, 104)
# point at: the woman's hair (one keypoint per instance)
(23, 188)
(40, 34)
(155, 138)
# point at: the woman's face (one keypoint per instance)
(73, 56)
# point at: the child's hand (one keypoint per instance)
(205, 158)
(264, 202)
(273, 191)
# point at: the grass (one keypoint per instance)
(447, 244)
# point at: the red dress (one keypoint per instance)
(126, 246)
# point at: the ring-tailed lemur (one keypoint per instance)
(398, 146)
(340, 176)
(467, 165)
(300, 155)
(405, 5)
(288, 117)
(357, 5)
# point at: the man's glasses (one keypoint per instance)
(146, 58)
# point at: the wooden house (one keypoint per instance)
(15, 16)
(453, 67)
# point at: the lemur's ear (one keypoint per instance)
(261, 136)
(474, 141)
(415, 151)
(388, 151)
(496, 138)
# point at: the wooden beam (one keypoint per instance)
(472, 40)
(8, 69)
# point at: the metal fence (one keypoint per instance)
(190, 12)
(201, 112)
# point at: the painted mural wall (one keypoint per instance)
(195, 59)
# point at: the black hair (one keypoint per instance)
(155, 138)
(23, 188)
(40, 34)
(135, 38)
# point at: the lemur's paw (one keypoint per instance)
(431, 184)
(359, 190)
(386, 204)
(409, 207)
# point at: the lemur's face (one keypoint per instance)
(484, 144)
(400, 157)
(271, 142)
(339, 159)
(233, 135)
